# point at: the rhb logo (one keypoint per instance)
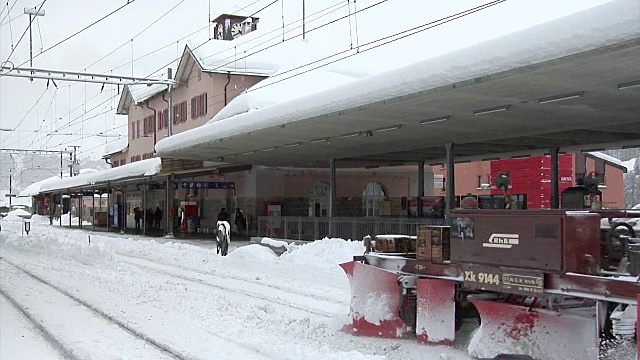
(502, 241)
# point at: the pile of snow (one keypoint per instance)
(324, 254)
(17, 215)
(274, 243)
(254, 253)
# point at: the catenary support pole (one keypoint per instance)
(108, 206)
(555, 198)
(450, 180)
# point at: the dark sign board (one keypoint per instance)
(508, 280)
(207, 185)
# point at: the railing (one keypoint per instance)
(354, 228)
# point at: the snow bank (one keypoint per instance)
(324, 254)
(17, 215)
(274, 243)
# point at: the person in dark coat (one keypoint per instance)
(157, 217)
(240, 221)
(137, 215)
(223, 215)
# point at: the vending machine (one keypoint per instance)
(432, 207)
(413, 209)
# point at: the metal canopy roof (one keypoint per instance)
(602, 117)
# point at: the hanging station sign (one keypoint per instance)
(207, 185)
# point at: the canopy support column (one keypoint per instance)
(332, 196)
(169, 204)
(450, 180)
(93, 209)
(421, 178)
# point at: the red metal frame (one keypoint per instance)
(436, 311)
(375, 302)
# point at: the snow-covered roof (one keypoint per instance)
(146, 167)
(36, 188)
(607, 158)
(629, 164)
(600, 26)
(223, 57)
(140, 93)
(116, 146)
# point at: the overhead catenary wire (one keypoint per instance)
(13, 49)
(129, 2)
(8, 11)
(138, 34)
(394, 37)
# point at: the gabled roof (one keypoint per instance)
(207, 59)
(137, 94)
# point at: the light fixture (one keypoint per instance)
(270, 149)
(491, 159)
(629, 85)
(230, 156)
(491, 110)
(220, 159)
(592, 150)
(520, 156)
(388, 128)
(435, 120)
(293, 145)
(249, 152)
(551, 99)
(316, 141)
(345, 136)
(368, 133)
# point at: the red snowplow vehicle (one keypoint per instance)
(544, 284)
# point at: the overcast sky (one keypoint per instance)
(38, 111)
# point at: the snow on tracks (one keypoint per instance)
(102, 325)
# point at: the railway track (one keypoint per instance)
(247, 280)
(222, 284)
(101, 322)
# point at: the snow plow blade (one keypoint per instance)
(375, 302)
(436, 311)
(540, 334)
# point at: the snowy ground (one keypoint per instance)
(137, 298)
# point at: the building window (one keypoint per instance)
(163, 120)
(138, 129)
(180, 113)
(148, 125)
(372, 195)
(133, 131)
(438, 181)
(198, 106)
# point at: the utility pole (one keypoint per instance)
(34, 11)
(10, 189)
(74, 169)
(303, 21)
